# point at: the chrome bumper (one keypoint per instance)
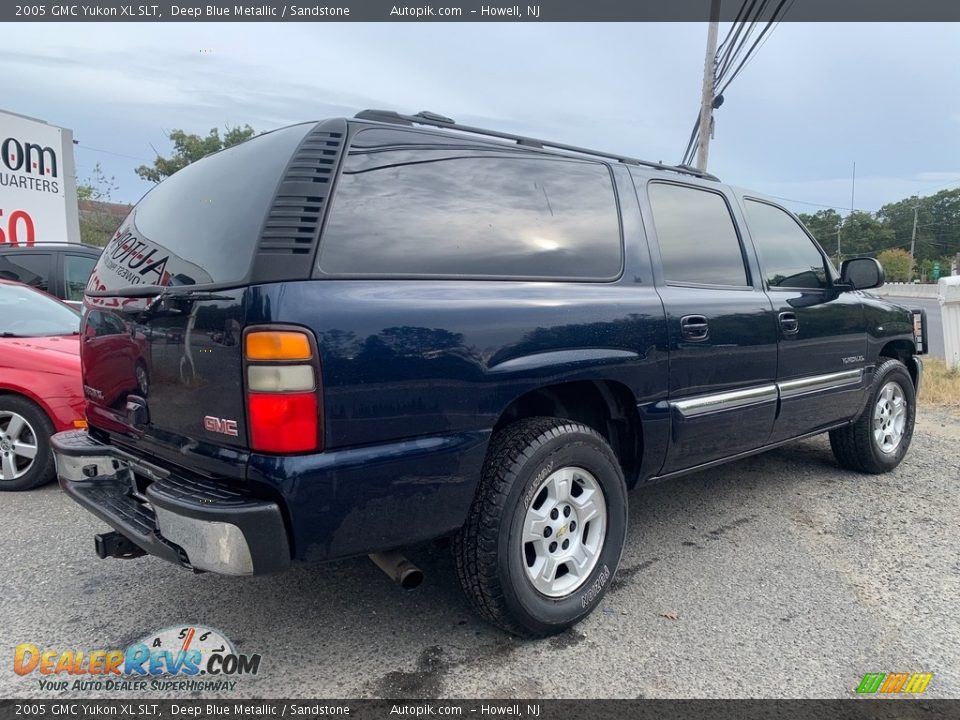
(197, 523)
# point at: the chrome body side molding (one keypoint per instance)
(702, 404)
(692, 407)
(801, 386)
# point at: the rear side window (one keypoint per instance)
(788, 257)
(462, 213)
(28, 268)
(76, 272)
(201, 225)
(698, 240)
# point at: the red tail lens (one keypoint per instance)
(283, 422)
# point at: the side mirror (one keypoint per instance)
(861, 273)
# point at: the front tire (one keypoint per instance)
(547, 527)
(879, 439)
(26, 460)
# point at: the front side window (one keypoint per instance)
(698, 241)
(29, 268)
(788, 257)
(466, 212)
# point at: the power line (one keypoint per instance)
(730, 55)
(760, 47)
(754, 47)
(806, 202)
(110, 152)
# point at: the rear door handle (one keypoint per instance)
(694, 328)
(789, 323)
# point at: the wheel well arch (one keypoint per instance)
(901, 350)
(607, 406)
(28, 396)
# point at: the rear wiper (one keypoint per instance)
(158, 292)
(162, 296)
(8, 334)
(134, 291)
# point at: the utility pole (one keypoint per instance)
(913, 235)
(853, 184)
(709, 77)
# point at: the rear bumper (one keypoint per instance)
(199, 524)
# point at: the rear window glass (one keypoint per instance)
(471, 212)
(201, 225)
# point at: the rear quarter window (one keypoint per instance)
(463, 212)
(202, 224)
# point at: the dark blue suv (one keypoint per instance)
(359, 334)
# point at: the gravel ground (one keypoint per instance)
(786, 576)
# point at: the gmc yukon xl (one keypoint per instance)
(360, 334)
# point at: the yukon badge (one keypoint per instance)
(852, 359)
(220, 425)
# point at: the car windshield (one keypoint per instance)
(29, 313)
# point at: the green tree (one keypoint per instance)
(188, 148)
(97, 223)
(897, 264)
(938, 223)
(863, 234)
(823, 224)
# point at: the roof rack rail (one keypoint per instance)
(432, 119)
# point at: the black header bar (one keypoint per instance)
(469, 11)
(61, 708)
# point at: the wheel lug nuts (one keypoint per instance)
(573, 525)
(566, 544)
(547, 531)
(566, 511)
(553, 547)
(554, 514)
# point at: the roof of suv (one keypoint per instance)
(434, 120)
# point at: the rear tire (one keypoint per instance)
(24, 430)
(879, 439)
(547, 527)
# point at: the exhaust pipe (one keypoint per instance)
(403, 572)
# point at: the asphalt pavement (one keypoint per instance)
(776, 576)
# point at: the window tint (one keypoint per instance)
(30, 268)
(698, 240)
(76, 272)
(788, 256)
(201, 225)
(463, 212)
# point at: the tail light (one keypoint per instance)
(283, 390)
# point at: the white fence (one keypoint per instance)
(949, 296)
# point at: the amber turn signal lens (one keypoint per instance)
(80, 424)
(277, 345)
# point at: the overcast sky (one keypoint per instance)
(816, 98)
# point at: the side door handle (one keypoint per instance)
(789, 323)
(694, 328)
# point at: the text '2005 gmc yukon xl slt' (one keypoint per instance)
(359, 334)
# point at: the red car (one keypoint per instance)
(40, 387)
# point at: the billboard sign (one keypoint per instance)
(38, 190)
